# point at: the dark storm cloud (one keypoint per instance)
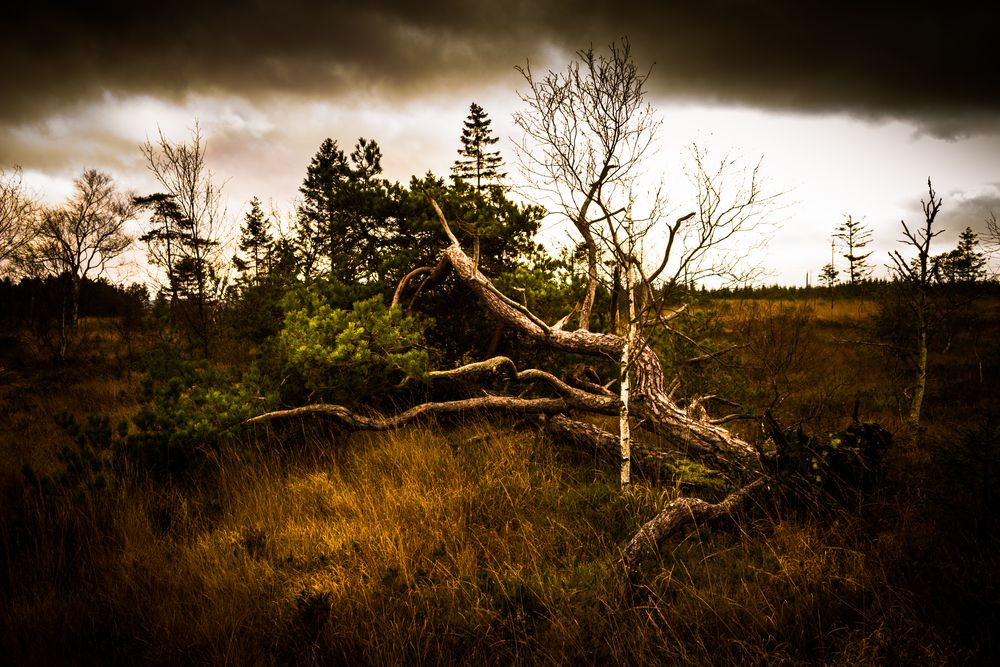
(973, 210)
(869, 59)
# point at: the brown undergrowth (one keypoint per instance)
(472, 543)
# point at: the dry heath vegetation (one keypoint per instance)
(482, 542)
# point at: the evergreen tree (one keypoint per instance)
(344, 216)
(855, 237)
(256, 243)
(314, 234)
(477, 164)
(963, 264)
(167, 229)
(828, 276)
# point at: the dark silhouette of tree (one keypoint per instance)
(856, 237)
(344, 213)
(80, 239)
(916, 277)
(19, 216)
(477, 164)
(964, 264)
(256, 244)
(198, 219)
(164, 236)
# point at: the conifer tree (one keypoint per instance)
(855, 237)
(255, 243)
(477, 164)
(964, 264)
(315, 229)
(342, 217)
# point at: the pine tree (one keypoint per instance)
(344, 214)
(315, 214)
(855, 237)
(963, 264)
(476, 163)
(255, 243)
(164, 240)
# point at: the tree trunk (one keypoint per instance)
(650, 401)
(624, 371)
(591, 294)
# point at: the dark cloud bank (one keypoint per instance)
(870, 59)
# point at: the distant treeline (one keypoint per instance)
(864, 289)
(40, 299)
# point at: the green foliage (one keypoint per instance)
(256, 244)
(187, 410)
(346, 213)
(363, 234)
(257, 314)
(348, 356)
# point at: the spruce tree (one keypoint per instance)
(255, 243)
(316, 233)
(964, 264)
(344, 214)
(477, 164)
(855, 237)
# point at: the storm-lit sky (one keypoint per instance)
(851, 105)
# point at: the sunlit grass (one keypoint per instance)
(472, 543)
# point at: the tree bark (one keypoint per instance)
(650, 400)
(357, 422)
(679, 513)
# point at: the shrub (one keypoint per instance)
(347, 356)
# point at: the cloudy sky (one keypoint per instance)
(852, 105)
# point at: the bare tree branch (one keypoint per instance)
(354, 421)
(678, 514)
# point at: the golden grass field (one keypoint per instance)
(478, 542)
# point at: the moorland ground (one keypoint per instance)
(483, 542)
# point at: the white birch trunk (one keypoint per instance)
(624, 369)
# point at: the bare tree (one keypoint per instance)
(196, 210)
(991, 238)
(586, 132)
(916, 275)
(81, 238)
(587, 135)
(19, 216)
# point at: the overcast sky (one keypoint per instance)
(851, 105)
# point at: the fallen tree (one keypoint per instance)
(689, 433)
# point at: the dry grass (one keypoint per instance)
(430, 545)
(475, 543)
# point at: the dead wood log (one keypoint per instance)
(357, 422)
(679, 513)
(651, 402)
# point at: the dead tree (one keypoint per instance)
(917, 276)
(691, 434)
(586, 133)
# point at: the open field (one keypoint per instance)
(484, 543)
